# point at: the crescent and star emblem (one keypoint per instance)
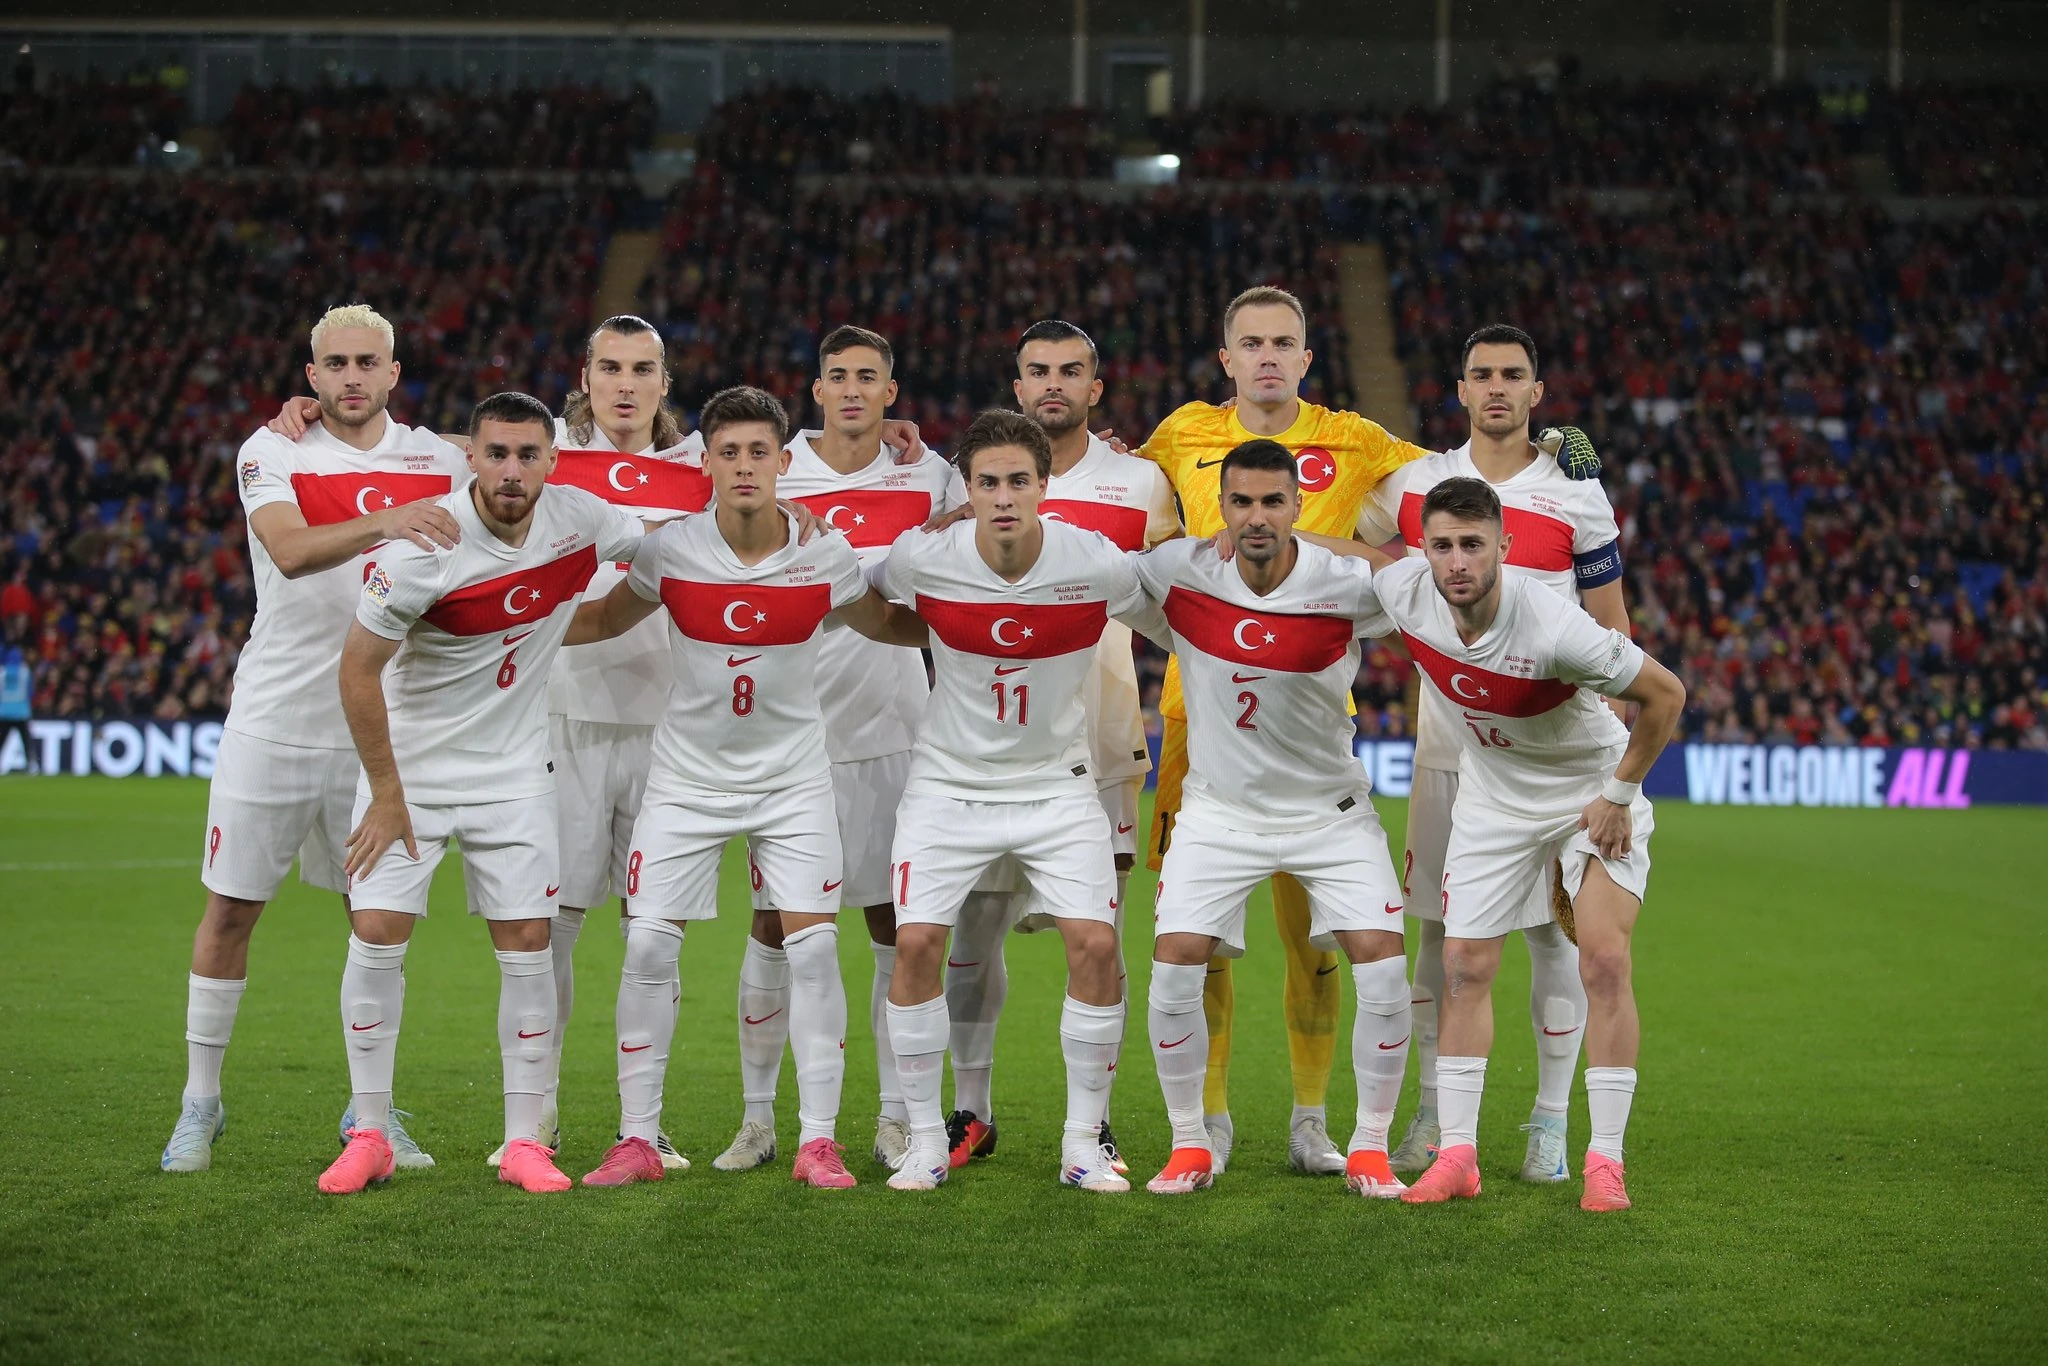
(1253, 624)
(533, 596)
(832, 517)
(630, 468)
(738, 605)
(363, 499)
(995, 632)
(1459, 682)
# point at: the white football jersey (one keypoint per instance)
(1129, 501)
(623, 681)
(285, 687)
(1564, 535)
(873, 694)
(1010, 660)
(1268, 682)
(1529, 736)
(481, 623)
(744, 642)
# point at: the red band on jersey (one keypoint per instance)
(525, 597)
(325, 499)
(1015, 630)
(747, 613)
(1483, 689)
(635, 481)
(1540, 542)
(1285, 642)
(871, 517)
(1123, 525)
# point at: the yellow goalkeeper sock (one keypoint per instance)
(1311, 996)
(1219, 1007)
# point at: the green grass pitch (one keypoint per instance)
(1837, 1152)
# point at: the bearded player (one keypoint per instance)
(1128, 500)
(1268, 644)
(1546, 772)
(319, 505)
(872, 694)
(1561, 533)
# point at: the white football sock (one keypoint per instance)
(562, 946)
(210, 1006)
(878, 1022)
(918, 1034)
(1609, 1093)
(817, 1027)
(647, 1022)
(1089, 1038)
(372, 1005)
(1460, 1082)
(1426, 993)
(977, 984)
(1379, 1046)
(1180, 1046)
(526, 1035)
(1557, 1013)
(764, 1027)
(1123, 976)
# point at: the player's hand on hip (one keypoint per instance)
(1573, 451)
(1608, 827)
(385, 822)
(902, 432)
(939, 521)
(294, 417)
(808, 524)
(425, 523)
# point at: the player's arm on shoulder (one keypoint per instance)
(877, 618)
(299, 549)
(1573, 451)
(614, 614)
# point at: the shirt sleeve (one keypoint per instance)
(403, 585)
(1394, 586)
(620, 534)
(1379, 520)
(1589, 654)
(954, 493)
(893, 575)
(849, 582)
(264, 470)
(645, 573)
(1367, 616)
(1131, 598)
(1596, 540)
(1162, 518)
(1160, 449)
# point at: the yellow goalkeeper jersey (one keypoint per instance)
(1340, 456)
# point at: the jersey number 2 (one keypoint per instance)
(1250, 701)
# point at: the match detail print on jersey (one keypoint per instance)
(1484, 690)
(870, 517)
(1286, 642)
(747, 613)
(327, 499)
(1015, 630)
(521, 598)
(635, 481)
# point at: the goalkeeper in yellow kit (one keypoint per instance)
(1340, 457)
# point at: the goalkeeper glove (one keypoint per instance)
(1573, 451)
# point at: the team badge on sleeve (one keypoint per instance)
(251, 472)
(378, 586)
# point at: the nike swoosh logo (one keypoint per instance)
(833, 886)
(1390, 1047)
(635, 1048)
(1013, 669)
(1123, 829)
(1207, 464)
(764, 1019)
(537, 1034)
(1560, 1033)
(514, 640)
(1393, 908)
(1325, 972)
(1181, 1040)
(951, 964)
(1246, 678)
(734, 661)
(360, 1028)
(552, 890)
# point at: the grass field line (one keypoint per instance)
(95, 865)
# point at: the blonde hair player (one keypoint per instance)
(1340, 457)
(319, 504)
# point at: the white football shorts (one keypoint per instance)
(508, 859)
(866, 793)
(268, 803)
(1211, 869)
(600, 774)
(1430, 799)
(792, 836)
(1120, 807)
(1061, 847)
(1497, 857)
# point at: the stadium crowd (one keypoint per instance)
(145, 327)
(1823, 429)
